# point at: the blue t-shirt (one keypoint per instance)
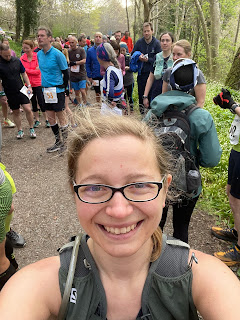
(51, 65)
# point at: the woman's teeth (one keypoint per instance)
(120, 230)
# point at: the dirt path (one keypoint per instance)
(44, 207)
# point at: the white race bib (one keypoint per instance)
(106, 110)
(75, 68)
(234, 132)
(95, 83)
(50, 95)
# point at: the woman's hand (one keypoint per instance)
(146, 102)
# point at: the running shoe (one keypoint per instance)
(229, 257)
(37, 124)
(225, 234)
(56, 147)
(8, 123)
(32, 133)
(47, 124)
(20, 134)
(16, 239)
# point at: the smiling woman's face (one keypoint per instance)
(119, 227)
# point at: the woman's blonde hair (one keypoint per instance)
(93, 126)
(184, 44)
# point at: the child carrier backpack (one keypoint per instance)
(173, 127)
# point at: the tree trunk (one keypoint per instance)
(233, 77)
(237, 31)
(179, 29)
(214, 33)
(135, 22)
(147, 8)
(127, 17)
(18, 19)
(206, 39)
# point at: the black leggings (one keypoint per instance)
(182, 213)
(37, 98)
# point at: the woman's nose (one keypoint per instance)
(119, 207)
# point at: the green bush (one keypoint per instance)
(16, 46)
(213, 198)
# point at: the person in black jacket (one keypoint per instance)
(148, 46)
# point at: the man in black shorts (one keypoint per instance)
(93, 66)
(54, 73)
(231, 257)
(11, 70)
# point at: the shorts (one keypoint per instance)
(57, 107)
(97, 88)
(37, 99)
(15, 100)
(79, 85)
(234, 173)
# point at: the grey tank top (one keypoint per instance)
(167, 293)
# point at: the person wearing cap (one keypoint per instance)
(182, 50)
(204, 143)
(112, 82)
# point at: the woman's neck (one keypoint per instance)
(106, 64)
(30, 55)
(167, 53)
(121, 267)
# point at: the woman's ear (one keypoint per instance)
(168, 181)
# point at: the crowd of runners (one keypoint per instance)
(50, 82)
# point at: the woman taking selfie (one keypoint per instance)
(125, 268)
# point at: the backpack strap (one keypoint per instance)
(190, 109)
(70, 276)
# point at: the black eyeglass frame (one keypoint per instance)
(121, 190)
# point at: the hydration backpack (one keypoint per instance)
(173, 127)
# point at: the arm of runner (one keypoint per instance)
(65, 77)
(215, 288)
(148, 87)
(164, 87)
(34, 292)
(200, 94)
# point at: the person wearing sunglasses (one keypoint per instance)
(122, 267)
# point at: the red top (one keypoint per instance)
(32, 69)
(129, 43)
(88, 42)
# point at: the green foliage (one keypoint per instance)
(213, 198)
(16, 46)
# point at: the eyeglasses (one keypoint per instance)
(136, 192)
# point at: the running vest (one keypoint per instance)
(167, 293)
(159, 65)
(118, 85)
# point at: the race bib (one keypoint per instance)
(75, 68)
(50, 95)
(95, 83)
(234, 132)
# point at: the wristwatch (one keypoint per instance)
(29, 86)
(144, 97)
(233, 107)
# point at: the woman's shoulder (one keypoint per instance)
(35, 287)
(214, 285)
